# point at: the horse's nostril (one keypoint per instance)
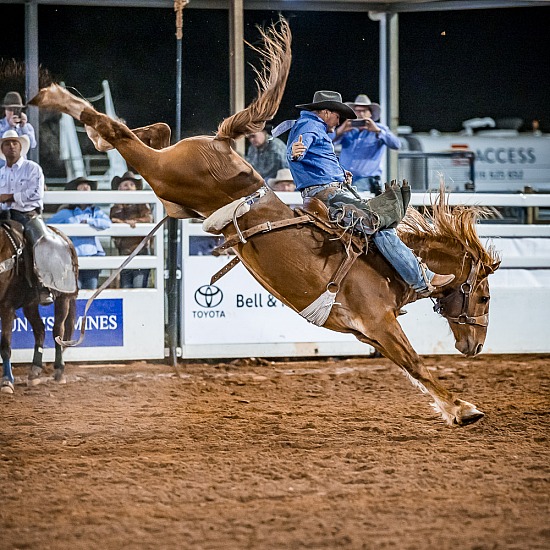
(479, 348)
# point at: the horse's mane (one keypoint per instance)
(451, 226)
(270, 82)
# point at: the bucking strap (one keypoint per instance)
(261, 228)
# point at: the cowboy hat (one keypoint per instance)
(11, 135)
(116, 181)
(73, 184)
(329, 100)
(362, 100)
(12, 99)
(283, 174)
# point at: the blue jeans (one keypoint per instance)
(134, 278)
(87, 278)
(401, 258)
(399, 255)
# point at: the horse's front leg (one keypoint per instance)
(392, 342)
(63, 327)
(33, 315)
(6, 316)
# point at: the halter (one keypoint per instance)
(466, 290)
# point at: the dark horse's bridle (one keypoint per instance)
(466, 290)
(17, 245)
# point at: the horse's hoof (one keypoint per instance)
(34, 376)
(59, 377)
(7, 387)
(469, 414)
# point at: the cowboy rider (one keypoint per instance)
(21, 190)
(317, 173)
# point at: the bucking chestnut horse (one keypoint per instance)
(16, 292)
(202, 175)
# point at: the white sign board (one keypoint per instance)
(238, 310)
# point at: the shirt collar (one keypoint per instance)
(18, 164)
(314, 117)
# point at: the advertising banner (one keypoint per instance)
(104, 325)
(237, 309)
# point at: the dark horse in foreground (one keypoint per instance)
(15, 293)
(201, 175)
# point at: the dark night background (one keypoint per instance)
(487, 62)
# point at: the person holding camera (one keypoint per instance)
(363, 142)
(15, 119)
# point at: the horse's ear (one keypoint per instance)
(487, 270)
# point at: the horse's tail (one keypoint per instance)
(270, 81)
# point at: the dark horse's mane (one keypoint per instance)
(451, 226)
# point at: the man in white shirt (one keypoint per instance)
(21, 189)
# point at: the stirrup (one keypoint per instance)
(45, 297)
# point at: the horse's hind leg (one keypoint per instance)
(156, 136)
(59, 99)
(7, 316)
(33, 315)
(393, 343)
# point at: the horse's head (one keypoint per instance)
(465, 305)
(447, 239)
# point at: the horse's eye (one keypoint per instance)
(484, 299)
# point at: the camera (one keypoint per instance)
(17, 111)
(358, 123)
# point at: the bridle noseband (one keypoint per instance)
(466, 290)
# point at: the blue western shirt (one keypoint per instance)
(362, 150)
(319, 164)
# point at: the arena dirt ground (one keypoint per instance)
(339, 453)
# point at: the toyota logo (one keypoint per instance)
(208, 296)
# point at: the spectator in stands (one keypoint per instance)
(282, 181)
(131, 214)
(22, 197)
(363, 143)
(266, 154)
(89, 214)
(15, 119)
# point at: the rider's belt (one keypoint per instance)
(28, 213)
(323, 186)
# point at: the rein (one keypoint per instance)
(135, 252)
(466, 290)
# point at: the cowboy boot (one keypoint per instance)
(439, 281)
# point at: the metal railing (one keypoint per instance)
(424, 171)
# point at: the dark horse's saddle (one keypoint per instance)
(53, 260)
